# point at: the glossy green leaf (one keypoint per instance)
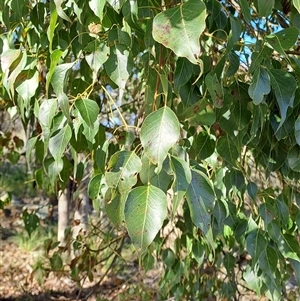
(119, 65)
(201, 199)
(55, 56)
(30, 82)
(59, 142)
(284, 86)
(60, 11)
(180, 28)
(260, 85)
(58, 77)
(145, 211)
(159, 132)
(98, 57)
(122, 170)
(252, 280)
(88, 110)
(289, 246)
(182, 180)
(297, 5)
(47, 112)
(52, 25)
(256, 244)
(97, 7)
(297, 130)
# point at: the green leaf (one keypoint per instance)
(204, 145)
(57, 80)
(182, 180)
(288, 246)
(29, 148)
(227, 149)
(285, 39)
(252, 280)
(260, 85)
(296, 266)
(119, 65)
(56, 262)
(149, 175)
(245, 10)
(159, 132)
(215, 89)
(31, 222)
(180, 28)
(97, 7)
(201, 199)
(145, 211)
(55, 57)
(116, 4)
(47, 112)
(294, 158)
(59, 142)
(265, 7)
(94, 186)
(256, 244)
(88, 110)
(122, 170)
(268, 261)
(296, 3)
(182, 73)
(60, 11)
(284, 86)
(52, 25)
(297, 130)
(115, 208)
(98, 57)
(29, 85)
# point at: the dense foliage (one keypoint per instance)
(188, 113)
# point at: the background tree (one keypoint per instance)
(206, 111)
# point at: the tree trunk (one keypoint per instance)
(63, 214)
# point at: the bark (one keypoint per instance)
(63, 214)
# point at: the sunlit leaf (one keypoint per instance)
(180, 28)
(256, 244)
(159, 132)
(145, 211)
(59, 142)
(97, 7)
(88, 110)
(119, 65)
(47, 111)
(122, 170)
